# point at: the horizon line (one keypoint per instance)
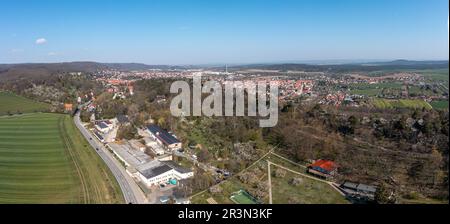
(306, 62)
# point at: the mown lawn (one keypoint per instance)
(13, 104)
(45, 160)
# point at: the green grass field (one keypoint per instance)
(308, 192)
(374, 89)
(44, 159)
(415, 90)
(440, 105)
(435, 74)
(11, 103)
(392, 104)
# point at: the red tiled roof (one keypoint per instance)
(324, 164)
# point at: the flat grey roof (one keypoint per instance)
(132, 157)
(367, 188)
(350, 185)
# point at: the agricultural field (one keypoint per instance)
(440, 105)
(11, 103)
(45, 160)
(376, 89)
(398, 104)
(436, 74)
(418, 91)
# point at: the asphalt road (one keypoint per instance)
(131, 191)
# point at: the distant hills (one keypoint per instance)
(43, 70)
(353, 67)
(14, 71)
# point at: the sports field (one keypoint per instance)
(13, 104)
(243, 198)
(44, 159)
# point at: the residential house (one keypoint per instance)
(323, 168)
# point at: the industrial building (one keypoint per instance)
(164, 138)
(157, 172)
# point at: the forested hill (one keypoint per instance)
(14, 72)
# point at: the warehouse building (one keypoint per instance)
(158, 172)
(164, 138)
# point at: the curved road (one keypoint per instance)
(131, 191)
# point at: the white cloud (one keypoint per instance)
(52, 54)
(41, 41)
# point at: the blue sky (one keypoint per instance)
(219, 31)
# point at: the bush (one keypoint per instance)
(280, 173)
(215, 190)
(127, 132)
(296, 181)
(411, 195)
(85, 116)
